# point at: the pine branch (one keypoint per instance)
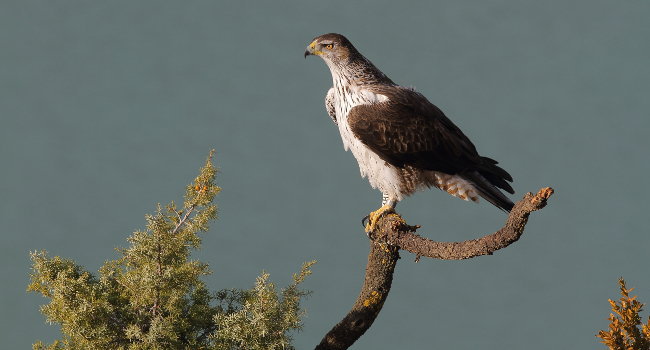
(626, 329)
(153, 296)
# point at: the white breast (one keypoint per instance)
(380, 174)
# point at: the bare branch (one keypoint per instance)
(392, 229)
(393, 234)
(379, 276)
(184, 219)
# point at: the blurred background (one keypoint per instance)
(110, 107)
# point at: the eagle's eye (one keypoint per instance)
(329, 46)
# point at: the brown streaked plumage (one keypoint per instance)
(402, 141)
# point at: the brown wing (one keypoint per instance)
(409, 130)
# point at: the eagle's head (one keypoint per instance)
(332, 47)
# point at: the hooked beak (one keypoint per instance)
(311, 49)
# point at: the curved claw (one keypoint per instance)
(364, 220)
(375, 215)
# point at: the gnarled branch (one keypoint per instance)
(379, 276)
(393, 234)
(394, 231)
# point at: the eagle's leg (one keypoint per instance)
(387, 206)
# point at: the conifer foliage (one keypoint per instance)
(626, 329)
(152, 297)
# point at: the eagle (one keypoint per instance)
(402, 142)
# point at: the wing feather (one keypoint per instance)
(407, 129)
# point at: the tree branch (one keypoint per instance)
(392, 229)
(393, 234)
(182, 220)
(379, 276)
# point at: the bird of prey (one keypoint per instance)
(402, 142)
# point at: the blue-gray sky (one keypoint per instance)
(109, 107)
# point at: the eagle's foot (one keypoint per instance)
(374, 217)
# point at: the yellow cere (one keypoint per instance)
(313, 46)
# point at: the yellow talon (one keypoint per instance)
(373, 217)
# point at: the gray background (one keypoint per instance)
(109, 107)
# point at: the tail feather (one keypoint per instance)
(487, 188)
(495, 174)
